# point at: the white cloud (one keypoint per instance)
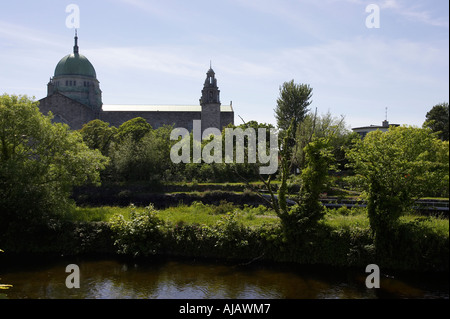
(25, 36)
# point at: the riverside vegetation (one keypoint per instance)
(42, 162)
(343, 237)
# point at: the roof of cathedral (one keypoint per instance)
(159, 108)
(75, 64)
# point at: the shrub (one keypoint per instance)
(416, 244)
(232, 235)
(224, 207)
(141, 235)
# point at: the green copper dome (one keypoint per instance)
(75, 64)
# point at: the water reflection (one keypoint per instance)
(175, 279)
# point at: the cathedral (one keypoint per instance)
(74, 97)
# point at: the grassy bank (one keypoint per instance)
(343, 237)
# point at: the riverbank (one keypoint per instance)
(343, 238)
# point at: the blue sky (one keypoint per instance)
(158, 52)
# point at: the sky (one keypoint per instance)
(158, 52)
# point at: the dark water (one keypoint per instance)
(180, 279)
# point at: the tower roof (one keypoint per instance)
(75, 64)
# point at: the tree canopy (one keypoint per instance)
(437, 120)
(292, 104)
(40, 162)
(397, 167)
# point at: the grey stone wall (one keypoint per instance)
(67, 110)
(226, 118)
(210, 116)
(155, 119)
(158, 119)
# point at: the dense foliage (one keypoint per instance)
(292, 104)
(343, 237)
(138, 152)
(395, 169)
(437, 120)
(140, 235)
(40, 163)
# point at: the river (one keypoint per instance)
(116, 278)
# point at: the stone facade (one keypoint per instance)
(154, 118)
(74, 97)
(67, 110)
(79, 88)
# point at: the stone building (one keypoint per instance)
(74, 97)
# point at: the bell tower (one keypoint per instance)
(210, 102)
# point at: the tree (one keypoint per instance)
(135, 128)
(437, 120)
(40, 162)
(292, 104)
(248, 170)
(396, 168)
(326, 126)
(302, 217)
(142, 158)
(98, 135)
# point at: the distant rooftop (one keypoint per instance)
(159, 108)
(364, 130)
(384, 125)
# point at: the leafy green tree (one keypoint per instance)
(326, 126)
(142, 159)
(248, 170)
(299, 219)
(98, 135)
(292, 104)
(40, 162)
(437, 120)
(135, 128)
(398, 167)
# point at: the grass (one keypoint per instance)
(336, 220)
(209, 215)
(438, 225)
(197, 213)
(194, 214)
(97, 214)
